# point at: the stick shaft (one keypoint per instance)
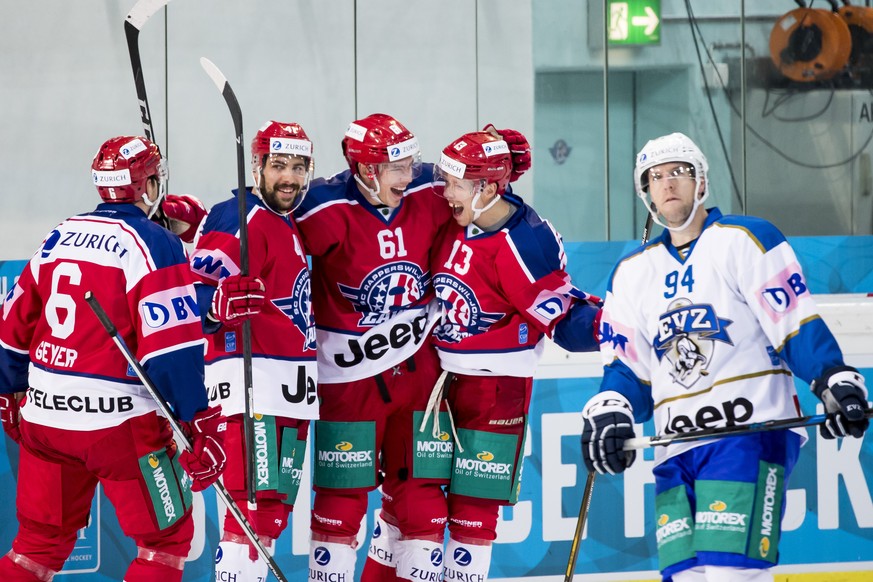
(727, 431)
(580, 527)
(220, 491)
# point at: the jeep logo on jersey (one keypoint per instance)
(168, 309)
(463, 315)
(686, 336)
(298, 308)
(389, 288)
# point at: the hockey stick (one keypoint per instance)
(220, 491)
(136, 19)
(727, 431)
(249, 419)
(139, 15)
(580, 526)
(589, 483)
(647, 229)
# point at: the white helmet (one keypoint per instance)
(676, 147)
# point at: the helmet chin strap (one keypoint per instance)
(374, 194)
(153, 206)
(698, 200)
(477, 212)
(297, 201)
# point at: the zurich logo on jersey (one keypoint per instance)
(687, 334)
(377, 531)
(321, 556)
(50, 242)
(387, 289)
(462, 557)
(219, 554)
(436, 556)
(298, 308)
(463, 314)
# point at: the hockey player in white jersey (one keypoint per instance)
(716, 342)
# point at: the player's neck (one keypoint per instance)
(691, 232)
(496, 216)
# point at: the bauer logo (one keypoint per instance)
(132, 148)
(356, 132)
(109, 179)
(495, 148)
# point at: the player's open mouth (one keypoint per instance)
(457, 209)
(397, 192)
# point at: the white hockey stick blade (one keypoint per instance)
(214, 73)
(143, 10)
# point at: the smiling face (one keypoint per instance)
(282, 178)
(391, 178)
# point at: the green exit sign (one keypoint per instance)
(634, 22)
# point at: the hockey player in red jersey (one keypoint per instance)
(498, 273)
(86, 419)
(369, 231)
(276, 297)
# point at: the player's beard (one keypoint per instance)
(277, 200)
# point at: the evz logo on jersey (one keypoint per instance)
(686, 336)
(386, 290)
(298, 308)
(463, 314)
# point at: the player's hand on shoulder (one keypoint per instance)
(184, 214)
(206, 462)
(10, 415)
(844, 394)
(236, 299)
(608, 421)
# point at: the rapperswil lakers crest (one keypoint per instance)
(387, 289)
(686, 337)
(463, 315)
(298, 308)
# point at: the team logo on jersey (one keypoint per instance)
(463, 314)
(686, 337)
(298, 308)
(387, 289)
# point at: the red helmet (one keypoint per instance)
(378, 139)
(478, 156)
(281, 138)
(122, 167)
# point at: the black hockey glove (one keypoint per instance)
(844, 395)
(608, 421)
